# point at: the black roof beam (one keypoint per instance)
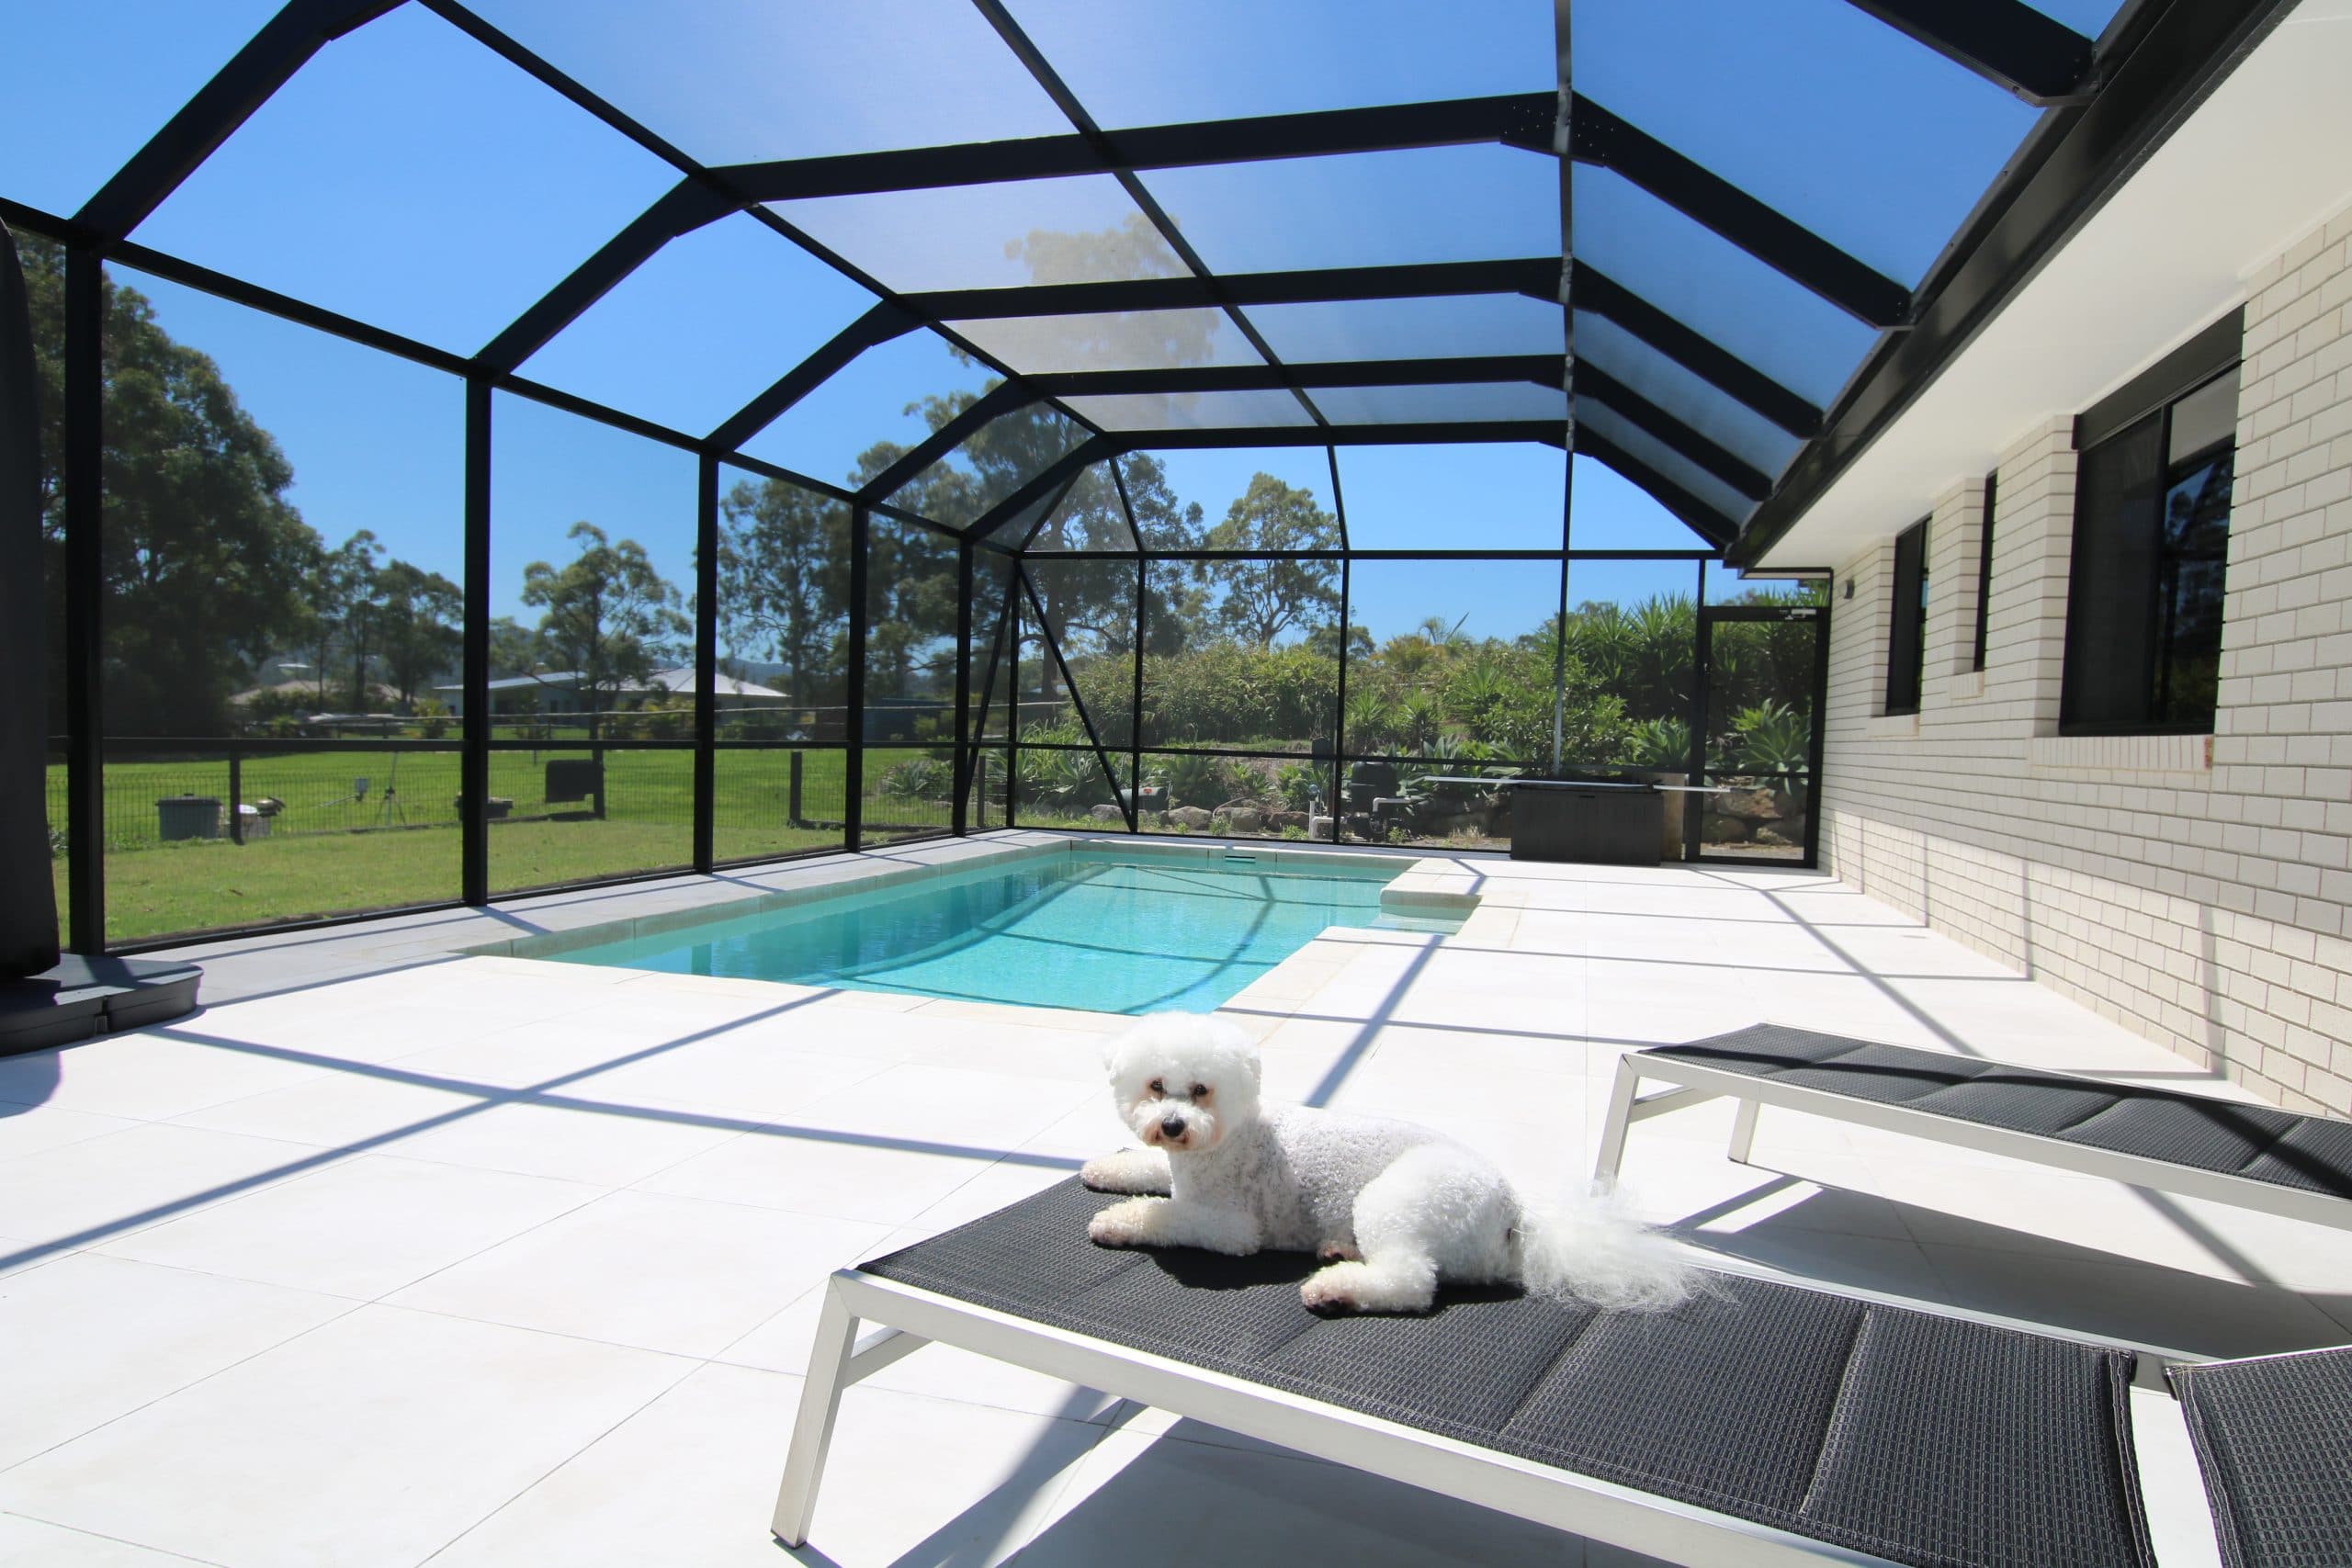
(1637, 411)
(2007, 42)
(285, 44)
(684, 207)
(1606, 141)
(1538, 276)
(1002, 398)
(1544, 432)
(1603, 295)
(2156, 70)
(1094, 449)
(1521, 119)
(1544, 369)
(1695, 514)
(878, 325)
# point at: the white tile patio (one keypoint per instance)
(392, 1256)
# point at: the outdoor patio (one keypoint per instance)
(389, 1255)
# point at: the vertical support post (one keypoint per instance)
(793, 815)
(1701, 681)
(1134, 695)
(236, 795)
(1564, 146)
(812, 1428)
(861, 523)
(1012, 704)
(1339, 719)
(705, 659)
(959, 810)
(473, 792)
(1814, 754)
(85, 311)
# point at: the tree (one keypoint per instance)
(202, 555)
(514, 649)
(1264, 599)
(417, 628)
(608, 615)
(345, 591)
(783, 580)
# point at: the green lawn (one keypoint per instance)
(330, 851)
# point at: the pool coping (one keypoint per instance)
(1423, 888)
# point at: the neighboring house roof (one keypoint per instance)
(678, 681)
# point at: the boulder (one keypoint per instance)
(1191, 818)
(1108, 814)
(1771, 834)
(1281, 821)
(1717, 829)
(1749, 804)
(1244, 819)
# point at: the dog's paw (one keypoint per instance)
(1141, 1171)
(1328, 1296)
(1123, 1225)
(1336, 1252)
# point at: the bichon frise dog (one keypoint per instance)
(1393, 1209)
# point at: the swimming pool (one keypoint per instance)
(1089, 928)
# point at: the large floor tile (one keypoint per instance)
(145, 1075)
(372, 1440)
(38, 1545)
(815, 1170)
(28, 1129)
(345, 1109)
(90, 1338)
(109, 1186)
(359, 1228)
(747, 1074)
(657, 1271)
(610, 1147)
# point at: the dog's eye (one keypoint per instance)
(1157, 1087)
(1200, 1091)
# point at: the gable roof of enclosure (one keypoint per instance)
(1714, 244)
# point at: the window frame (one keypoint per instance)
(1906, 649)
(1984, 566)
(2214, 353)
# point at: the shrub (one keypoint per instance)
(1774, 738)
(1300, 784)
(1207, 782)
(1659, 743)
(918, 778)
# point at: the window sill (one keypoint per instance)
(2125, 753)
(1893, 726)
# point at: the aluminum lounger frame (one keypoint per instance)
(907, 1318)
(1697, 1083)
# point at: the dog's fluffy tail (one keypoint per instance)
(1591, 1249)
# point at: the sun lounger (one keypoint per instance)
(1764, 1423)
(2251, 1155)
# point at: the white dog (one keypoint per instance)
(1392, 1208)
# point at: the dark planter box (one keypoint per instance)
(1596, 824)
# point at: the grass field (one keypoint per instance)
(333, 851)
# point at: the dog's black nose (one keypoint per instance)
(1173, 1126)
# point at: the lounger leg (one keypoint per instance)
(812, 1430)
(1743, 1131)
(1620, 1116)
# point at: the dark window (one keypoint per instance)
(1984, 566)
(2152, 528)
(1910, 619)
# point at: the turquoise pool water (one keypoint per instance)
(1083, 930)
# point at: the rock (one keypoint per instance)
(1108, 814)
(1244, 819)
(1240, 803)
(1717, 829)
(1281, 820)
(1191, 818)
(1747, 805)
(1771, 835)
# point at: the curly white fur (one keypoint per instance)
(1394, 1209)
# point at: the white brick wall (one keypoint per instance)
(2198, 892)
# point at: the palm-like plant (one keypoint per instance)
(1774, 738)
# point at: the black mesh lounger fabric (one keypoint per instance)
(1919, 1439)
(2262, 1144)
(2274, 1438)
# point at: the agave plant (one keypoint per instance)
(918, 778)
(1659, 743)
(1774, 738)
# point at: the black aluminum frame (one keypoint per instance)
(2109, 101)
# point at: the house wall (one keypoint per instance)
(2195, 890)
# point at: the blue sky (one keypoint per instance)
(411, 178)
